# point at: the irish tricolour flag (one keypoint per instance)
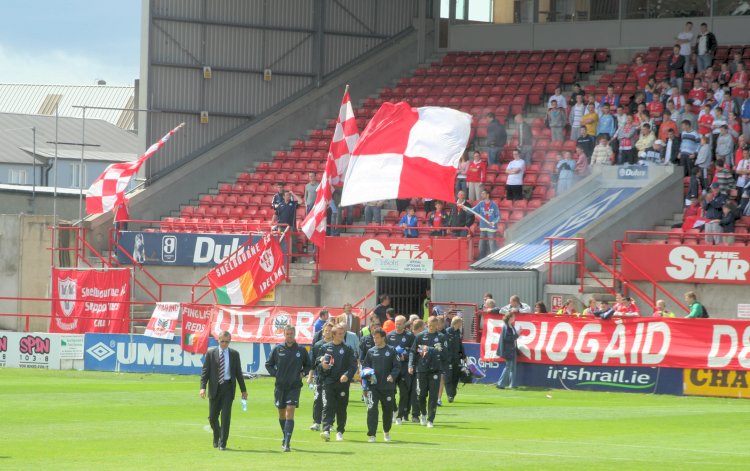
(245, 277)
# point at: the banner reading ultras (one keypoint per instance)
(673, 343)
(266, 325)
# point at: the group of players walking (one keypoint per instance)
(411, 359)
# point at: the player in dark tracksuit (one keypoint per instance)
(289, 363)
(454, 338)
(383, 360)
(338, 365)
(427, 359)
(314, 379)
(403, 340)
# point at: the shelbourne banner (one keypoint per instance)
(658, 342)
(266, 325)
(90, 301)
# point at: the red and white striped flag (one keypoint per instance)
(407, 152)
(344, 139)
(108, 191)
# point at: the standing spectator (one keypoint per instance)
(678, 100)
(712, 206)
(409, 223)
(639, 99)
(497, 136)
(696, 309)
(703, 159)
(558, 98)
(689, 144)
(695, 185)
(655, 108)
(736, 61)
(602, 154)
(460, 216)
(689, 114)
(743, 168)
(724, 76)
(463, 168)
(566, 173)
(438, 219)
(738, 83)
(475, 176)
(556, 121)
(676, 67)
(311, 191)
(725, 145)
(625, 136)
(577, 110)
(321, 321)
(641, 71)
(568, 309)
(351, 320)
(287, 214)
(606, 124)
(705, 47)
(646, 139)
(745, 116)
(586, 142)
(582, 163)
(718, 91)
(523, 133)
(610, 98)
(697, 93)
(591, 119)
(577, 91)
(590, 307)
(729, 215)
(667, 123)
(705, 120)
(515, 171)
(278, 197)
(507, 350)
(490, 213)
(373, 212)
(685, 43)
(672, 148)
(735, 128)
(723, 176)
(591, 100)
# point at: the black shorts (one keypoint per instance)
(284, 397)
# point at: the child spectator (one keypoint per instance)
(438, 219)
(625, 136)
(662, 311)
(475, 176)
(556, 121)
(566, 173)
(409, 223)
(602, 154)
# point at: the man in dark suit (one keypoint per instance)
(353, 323)
(221, 372)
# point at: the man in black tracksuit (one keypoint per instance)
(338, 365)
(314, 378)
(288, 362)
(402, 340)
(428, 359)
(454, 336)
(383, 360)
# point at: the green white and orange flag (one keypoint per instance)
(245, 277)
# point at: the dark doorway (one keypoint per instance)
(406, 294)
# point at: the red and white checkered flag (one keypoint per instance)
(344, 139)
(108, 191)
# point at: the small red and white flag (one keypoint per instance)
(163, 321)
(108, 191)
(345, 137)
(407, 152)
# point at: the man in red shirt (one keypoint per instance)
(705, 121)
(438, 219)
(475, 176)
(698, 93)
(656, 109)
(642, 72)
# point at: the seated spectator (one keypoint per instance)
(739, 78)
(592, 306)
(604, 311)
(728, 216)
(540, 308)
(461, 216)
(626, 307)
(409, 223)
(515, 304)
(646, 139)
(696, 309)
(438, 219)
(735, 130)
(515, 170)
(490, 216)
(602, 154)
(705, 120)
(733, 65)
(475, 176)
(591, 119)
(323, 316)
(626, 136)
(556, 121)
(558, 98)
(565, 169)
(577, 110)
(653, 155)
(697, 93)
(586, 141)
(568, 309)
(693, 211)
(661, 310)
(712, 206)
(644, 117)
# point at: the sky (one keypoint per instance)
(70, 42)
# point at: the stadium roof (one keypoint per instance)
(104, 141)
(41, 100)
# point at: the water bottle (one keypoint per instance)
(244, 405)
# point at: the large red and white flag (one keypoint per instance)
(108, 191)
(345, 137)
(407, 152)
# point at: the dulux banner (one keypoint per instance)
(140, 354)
(180, 249)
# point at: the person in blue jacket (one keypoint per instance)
(507, 349)
(488, 211)
(409, 220)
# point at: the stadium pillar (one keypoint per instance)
(318, 44)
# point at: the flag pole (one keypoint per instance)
(471, 210)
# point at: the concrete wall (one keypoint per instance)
(720, 300)
(17, 202)
(609, 34)
(337, 288)
(469, 287)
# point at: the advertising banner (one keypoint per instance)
(359, 253)
(719, 383)
(243, 279)
(687, 263)
(628, 341)
(90, 301)
(163, 321)
(492, 369)
(180, 248)
(195, 324)
(29, 350)
(71, 347)
(266, 324)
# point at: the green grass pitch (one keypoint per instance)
(87, 420)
